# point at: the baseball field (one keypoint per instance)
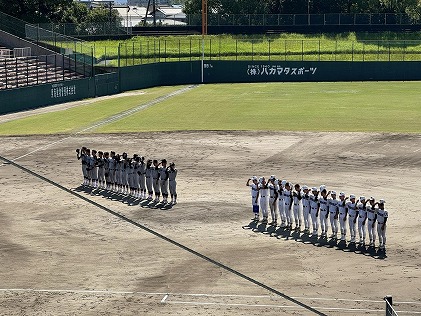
(66, 250)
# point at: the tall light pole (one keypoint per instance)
(308, 12)
(204, 31)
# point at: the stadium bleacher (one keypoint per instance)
(18, 69)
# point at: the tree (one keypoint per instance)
(36, 11)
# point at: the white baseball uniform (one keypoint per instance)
(297, 207)
(272, 202)
(324, 212)
(263, 193)
(342, 217)
(281, 205)
(352, 217)
(314, 213)
(382, 215)
(306, 211)
(333, 215)
(371, 223)
(362, 218)
(288, 206)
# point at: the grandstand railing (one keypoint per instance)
(155, 50)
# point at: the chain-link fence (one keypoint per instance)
(155, 50)
(86, 29)
(303, 19)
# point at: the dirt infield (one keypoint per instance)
(63, 256)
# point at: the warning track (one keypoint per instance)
(169, 240)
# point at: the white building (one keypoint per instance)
(164, 15)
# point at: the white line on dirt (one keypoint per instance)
(164, 298)
(276, 306)
(193, 295)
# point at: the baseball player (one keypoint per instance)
(149, 180)
(163, 176)
(135, 176)
(112, 166)
(273, 195)
(382, 216)
(342, 214)
(371, 221)
(306, 209)
(101, 170)
(172, 174)
(297, 198)
(155, 180)
(332, 203)
(362, 218)
(81, 155)
(324, 210)
(314, 210)
(288, 204)
(263, 194)
(254, 186)
(142, 177)
(125, 174)
(107, 170)
(352, 211)
(118, 173)
(281, 202)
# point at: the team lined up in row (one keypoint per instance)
(296, 202)
(128, 176)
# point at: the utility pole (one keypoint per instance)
(154, 12)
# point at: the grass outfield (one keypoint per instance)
(76, 118)
(355, 106)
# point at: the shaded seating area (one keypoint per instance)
(19, 69)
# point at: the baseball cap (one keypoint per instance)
(272, 177)
(362, 198)
(381, 201)
(342, 194)
(322, 187)
(254, 178)
(305, 187)
(333, 193)
(313, 189)
(352, 196)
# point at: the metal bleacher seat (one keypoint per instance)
(18, 69)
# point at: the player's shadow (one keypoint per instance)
(318, 241)
(155, 205)
(282, 233)
(252, 225)
(260, 228)
(109, 195)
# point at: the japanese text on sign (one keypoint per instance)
(274, 70)
(59, 90)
